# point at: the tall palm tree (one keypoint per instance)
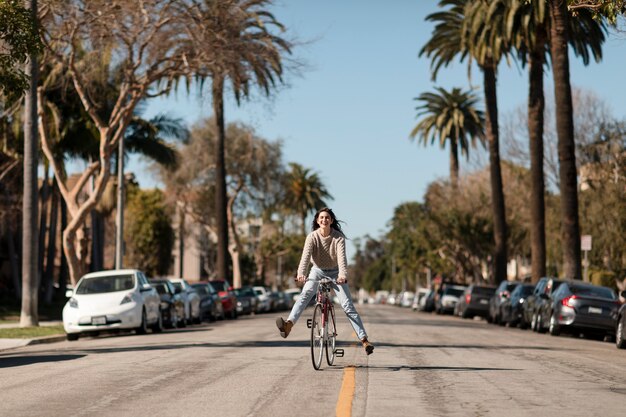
(529, 30)
(462, 30)
(450, 117)
(233, 41)
(30, 283)
(305, 192)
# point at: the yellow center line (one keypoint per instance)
(344, 402)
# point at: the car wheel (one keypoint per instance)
(540, 328)
(555, 329)
(620, 334)
(158, 326)
(72, 336)
(143, 327)
(533, 323)
(173, 318)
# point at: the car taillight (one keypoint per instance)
(468, 298)
(567, 301)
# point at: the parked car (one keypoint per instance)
(511, 309)
(210, 303)
(246, 300)
(529, 309)
(540, 320)
(191, 299)
(227, 295)
(427, 304)
(406, 298)
(265, 299)
(293, 293)
(503, 291)
(475, 301)
(448, 298)
(579, 306)
(172, 304)
(112, 300)
(620, 325)
(419, 295)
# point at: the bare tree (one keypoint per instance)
(144, 40)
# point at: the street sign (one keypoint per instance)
(585, 242)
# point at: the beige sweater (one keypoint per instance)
(327, 252)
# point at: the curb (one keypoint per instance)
(10, 344)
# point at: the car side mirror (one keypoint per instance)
(69, 293)
(145, 287)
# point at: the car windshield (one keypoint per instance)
(219, 285)
(596, 292)
(527, 290)
(161, 288)
(201, 289)
(453, 291)
(248, 292)
(484, 290)
(99, 285)
(178, 285)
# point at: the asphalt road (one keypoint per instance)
(423, 365)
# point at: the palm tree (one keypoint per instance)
(305, 192)
(450, 116)
(232, 40)
(463, 30)
(529, 30)
(30, 284)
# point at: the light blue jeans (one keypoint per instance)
(343, 293)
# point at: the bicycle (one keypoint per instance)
(323, 327)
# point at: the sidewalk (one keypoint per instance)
(6, 344)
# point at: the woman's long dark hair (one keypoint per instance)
(335, 224)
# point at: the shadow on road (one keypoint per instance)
(13, 361)
(433, 368)
(462, 346)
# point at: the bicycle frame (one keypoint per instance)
(327, 323)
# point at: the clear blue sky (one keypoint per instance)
(350, 113)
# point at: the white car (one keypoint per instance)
(265, 301)
(112, 300)
(191, 299)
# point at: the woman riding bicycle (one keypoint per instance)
(326, 245)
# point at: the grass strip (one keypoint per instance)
(30, 332)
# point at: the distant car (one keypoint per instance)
(172, 304)
(579, 306)
(265, 300)
(540, 319)
(293, 293)
(427, 303)
(191, 299)
(534, 301)
(227, 295)
(448, 298)
(620, 325)
(421, 293)
(406, 299)
(475, 301)
(511, 309)
(112, 300)
(210, 303)
(502, 293)
(246, 300)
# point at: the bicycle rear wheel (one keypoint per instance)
(317, 337)
(331, 336)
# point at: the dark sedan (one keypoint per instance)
(172, 304)
(512, 308)
(533, 301)
(475, 301)
(503, 292)
(578, 306)
(246, 300)
(210, 303)
(540, 319)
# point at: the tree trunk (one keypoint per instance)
(454, 163)
(234, 248)
(43, 221)
(30, 283)
(536, 104)
(220, 178)
(497, 191)
(64, 272)
(13, 256)
(52, 245)
(570, 229)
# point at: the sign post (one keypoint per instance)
(585, 246)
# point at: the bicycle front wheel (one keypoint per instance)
(317, 337)
(331, 336)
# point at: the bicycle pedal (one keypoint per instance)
(339, 353)
(309, 323)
